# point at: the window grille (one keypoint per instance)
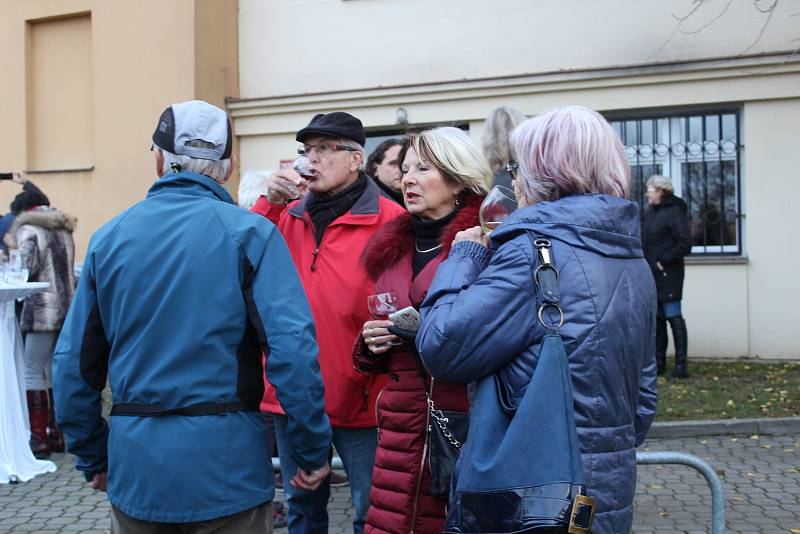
(700, 153)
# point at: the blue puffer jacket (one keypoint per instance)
(178, 296)
(480, 317)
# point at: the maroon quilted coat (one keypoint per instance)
(400, 501)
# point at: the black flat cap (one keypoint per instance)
(335, 124)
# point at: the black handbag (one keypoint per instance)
(447, 431)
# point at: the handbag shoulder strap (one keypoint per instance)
(546, 279)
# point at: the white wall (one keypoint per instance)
(310, 46)
(772, 176)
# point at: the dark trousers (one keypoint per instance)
(256, 520)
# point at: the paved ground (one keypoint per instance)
(761, 477)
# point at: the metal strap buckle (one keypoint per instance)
(582, 515)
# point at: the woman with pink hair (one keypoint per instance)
(480, 316)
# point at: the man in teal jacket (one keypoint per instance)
(178, 297)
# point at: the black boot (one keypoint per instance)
(661, 345)
(680, 337)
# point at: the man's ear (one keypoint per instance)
(234, 162)
(356, 161)
(159, 162)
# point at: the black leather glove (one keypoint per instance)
(407, 337)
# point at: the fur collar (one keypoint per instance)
(395, 239)
(44, 217)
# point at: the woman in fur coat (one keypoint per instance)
(44, 237)
(443, 184)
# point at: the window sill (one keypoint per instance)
(716, 260)
(60, 171)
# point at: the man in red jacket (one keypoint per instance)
(326, 219)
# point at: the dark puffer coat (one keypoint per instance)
(666, 240)
(400, 500)
(480, 317)
(44, 236)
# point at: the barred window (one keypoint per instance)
(699, 152)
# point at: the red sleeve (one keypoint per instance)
(366, 362)
(270, 211)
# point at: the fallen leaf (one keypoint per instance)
(766, 446)
(654, 486)
(663, 514)
(755, 436)
(734, 439)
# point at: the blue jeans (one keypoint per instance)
(308, 510)
(669, 308)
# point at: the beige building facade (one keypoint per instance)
(84, 82)
(707, 93)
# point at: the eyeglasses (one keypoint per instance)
(512, 169)
(323, 149)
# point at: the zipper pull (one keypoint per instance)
(314, 261)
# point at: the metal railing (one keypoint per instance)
(717, 492)
(652, 458)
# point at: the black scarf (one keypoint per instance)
(428, 234)
(390, 193)
(326, 209)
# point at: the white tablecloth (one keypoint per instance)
(16, 459)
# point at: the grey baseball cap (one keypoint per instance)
(196, 129)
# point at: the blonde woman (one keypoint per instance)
(444, 176)
(496, 141)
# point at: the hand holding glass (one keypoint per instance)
(381, 305)
(496, 207)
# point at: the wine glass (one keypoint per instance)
(496, 207)
(381, 305)
(301, 165)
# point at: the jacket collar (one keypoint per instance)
(395, 239)
(367, 203)
(190, 183)
(604, 224)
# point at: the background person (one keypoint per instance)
(444, 177)
(326, 231)
(44, 237)
(480, 316)
(666, 240)
(179, 297)
(384, 167)
(496, 143)
(252, 185)
(29, 196)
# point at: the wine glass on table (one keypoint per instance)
(381, 305)
(496, 207)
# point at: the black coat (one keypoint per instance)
(666, 240)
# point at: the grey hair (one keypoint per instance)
(660, 182)
(358, 148)
(496, 135)
(252, 185)
(217, 170)
(570, 151)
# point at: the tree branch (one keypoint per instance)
(712, 21)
